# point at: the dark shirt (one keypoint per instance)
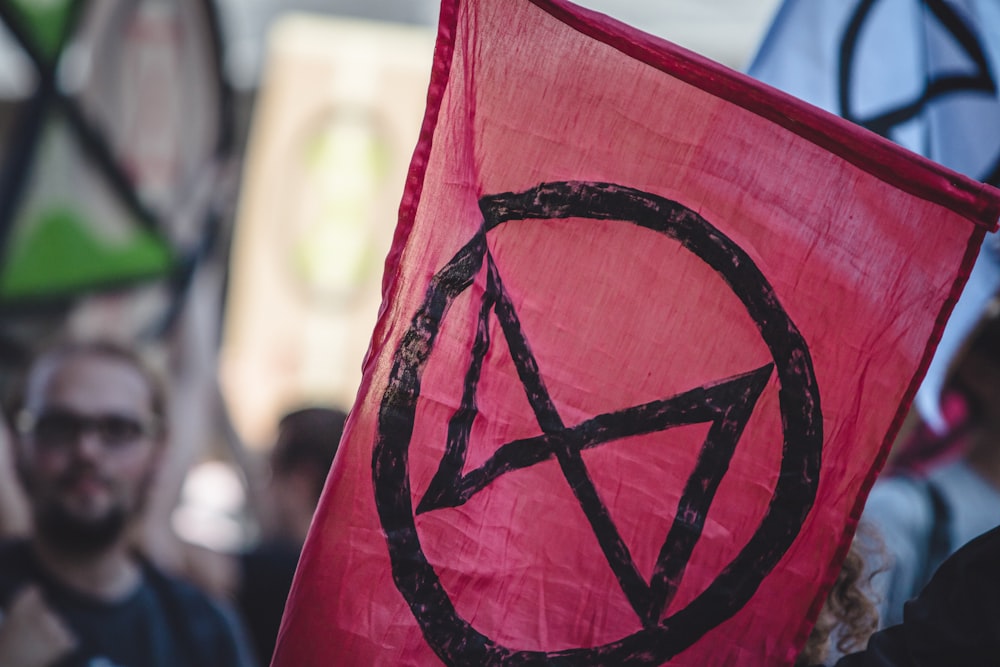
(265, 579)
(163, 623)
(954, 621)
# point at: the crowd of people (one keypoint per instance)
(88, 430)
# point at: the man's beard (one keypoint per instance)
(74, 535)
(71, 533)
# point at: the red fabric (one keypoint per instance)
(649, 328)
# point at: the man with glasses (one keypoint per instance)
(90, 435)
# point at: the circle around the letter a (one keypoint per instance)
(452, 638)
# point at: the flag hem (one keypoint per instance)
(444, 48)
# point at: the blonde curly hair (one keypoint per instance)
(849, 611)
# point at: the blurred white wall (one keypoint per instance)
(724, 30)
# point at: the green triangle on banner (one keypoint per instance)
(46, 22)
(60, 254)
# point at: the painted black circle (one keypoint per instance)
(454, 640)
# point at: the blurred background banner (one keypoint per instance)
(329, 148)
(111, 162)
(922, 73)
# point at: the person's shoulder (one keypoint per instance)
(16, 566)
(213, 625)
(953, 621)
(975, 565)
(13, 548)
(269, 566)
(191, 601)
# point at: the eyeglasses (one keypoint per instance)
(63, 428)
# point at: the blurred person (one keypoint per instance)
(922, 449)
(849, 615)
(923, 518)
(15, 515)
(89, 439)
(955, 620)
(299, 462)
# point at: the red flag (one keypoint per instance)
(648, 329)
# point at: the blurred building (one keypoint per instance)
(725, 30)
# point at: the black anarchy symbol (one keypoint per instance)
(726, 404)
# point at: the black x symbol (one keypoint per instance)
(48, 98)
(980, 81)
(727, 405)
(15, 170)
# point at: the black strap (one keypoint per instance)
(939, 545)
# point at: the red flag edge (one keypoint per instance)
(908, 171)
(846, 537)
